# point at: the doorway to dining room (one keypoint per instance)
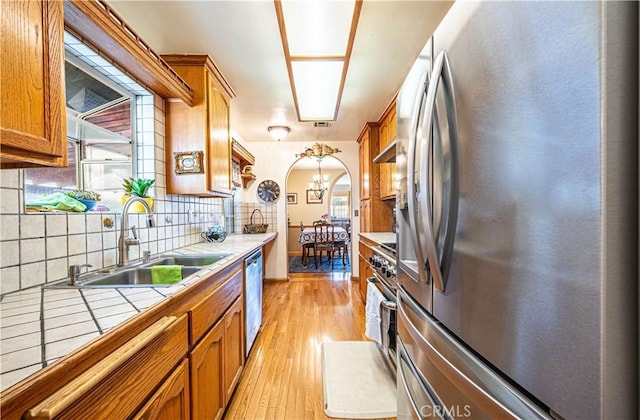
(306, 206)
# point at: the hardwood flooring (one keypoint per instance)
(283, 375)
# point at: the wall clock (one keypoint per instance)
(268, 190)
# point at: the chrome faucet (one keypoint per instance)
(125, 243)
(74, 273)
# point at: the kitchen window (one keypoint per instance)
(101, 120)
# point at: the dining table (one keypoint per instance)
(308, 236)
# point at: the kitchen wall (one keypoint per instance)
(297, 183)
(38, 248)
(275, 161)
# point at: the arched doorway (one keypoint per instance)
(304, 207)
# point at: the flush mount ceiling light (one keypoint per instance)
(279, 132)
(317, 38)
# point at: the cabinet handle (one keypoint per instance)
(74, 390)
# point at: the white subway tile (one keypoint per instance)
(64, 347)
(11, 378)
(94, 222)
(56, 225)
(10, 203)
(77, 244)
(9, 253)
(56, 246)
(9, 227)
(20, 359)
(109, 258)
(94, 242)
(32, 274)
(31, 226)
(9, 279)
(57, 269)
(32, 250)
(108, 240)
(78, 259)
(95, 259)
(77, 223)
(10, 178)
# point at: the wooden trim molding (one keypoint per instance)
(99, 25)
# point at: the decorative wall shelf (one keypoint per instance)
(244, 158)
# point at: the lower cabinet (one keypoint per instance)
(233, 348)
(171, 400)
(185, 365)
(206, 365)
(216, 364)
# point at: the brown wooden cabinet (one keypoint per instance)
(203, 127)
(207, 367)
(376, 215)
(32, 102)
(365, 272)
(387, 170)
(171, 400)
(216, 365)
(233, 348)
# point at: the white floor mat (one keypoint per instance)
(355, 381)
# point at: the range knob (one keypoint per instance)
(391, 272)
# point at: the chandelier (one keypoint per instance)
(320, 182)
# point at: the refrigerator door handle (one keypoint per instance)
(414, 228)
(439, 269)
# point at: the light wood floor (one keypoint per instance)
(283, 375)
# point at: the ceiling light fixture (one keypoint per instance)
(279, 132)
(320, 183)
(317, 39)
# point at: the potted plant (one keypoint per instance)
(87, 197)
(138, 187)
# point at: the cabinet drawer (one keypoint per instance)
(122, 381)
(211, 308)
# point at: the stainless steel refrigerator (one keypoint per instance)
(517, 161)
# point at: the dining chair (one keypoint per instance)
(323, 241)
(306, 248)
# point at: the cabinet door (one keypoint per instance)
(219, 145)
(365, 215)
(206, 366)
(32, 104)
(365, 269)
(365, 162)
(233, 348)
(171, 401)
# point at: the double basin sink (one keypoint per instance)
(140, 274)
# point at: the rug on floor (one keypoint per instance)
(324, 265)
(356, 382)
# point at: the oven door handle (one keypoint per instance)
(390, 305)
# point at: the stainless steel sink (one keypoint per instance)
(140, 276)
(187, 260)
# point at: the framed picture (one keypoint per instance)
(312, 199)
(292, 198)
(188, 162)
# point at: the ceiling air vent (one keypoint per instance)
(324, 124)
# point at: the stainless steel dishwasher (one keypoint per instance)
(252, 297)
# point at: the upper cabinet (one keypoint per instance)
(32, 107)
(387, 139)
(198, 143)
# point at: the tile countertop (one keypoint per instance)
(40, 325)
(379, 237)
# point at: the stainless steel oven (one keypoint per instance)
(384, 278)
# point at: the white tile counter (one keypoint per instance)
(41, 324)
(379, 237)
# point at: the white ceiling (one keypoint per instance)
(243, 39)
